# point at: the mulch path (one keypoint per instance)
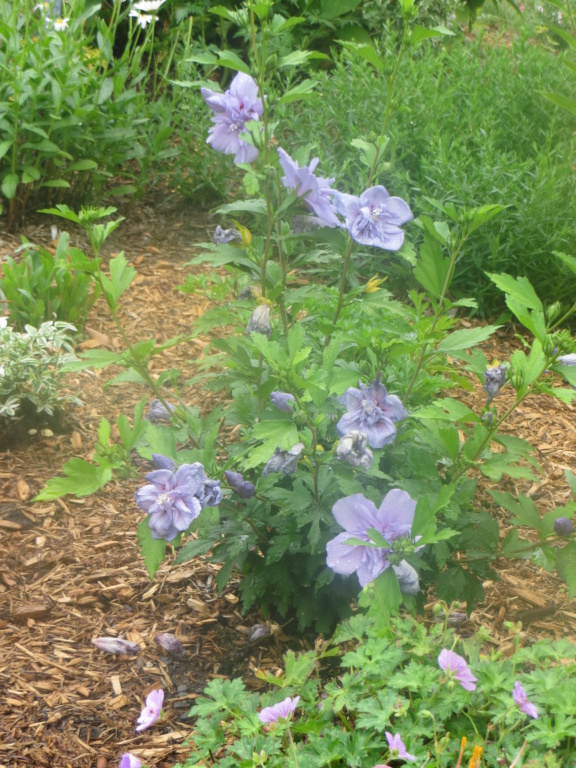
(70, 571)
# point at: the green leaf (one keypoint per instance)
(561, 101)
(570, 261)
(83, 165)
(514, 546)
(419, 33)
(56, 183)
(246, 206)
(432, 268)
(121, 275)
(566, 564)
(4, 147)
(104, 433)
(82, 479)
(232, 61)
(448, 409)
(481, 215)
(94, 358)
(366, 52)
(194, 548)
(300, 91)
(519, 288)
(9, 185)
(523, 508)
(153, 550)
(466, 338)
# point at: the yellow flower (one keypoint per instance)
(475, 759)
(374, 284)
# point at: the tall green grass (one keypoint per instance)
(471, 128)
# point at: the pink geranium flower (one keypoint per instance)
(282, 710)
(456, 667)
(152, 710)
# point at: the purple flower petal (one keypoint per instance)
(372, 411)
(356, 514)
(232, 110)
(282, 710)
(151, 711)
(397, 747)
(374, 218)
(521, 699)
(128, 760)
(314, 189)
(457, 667)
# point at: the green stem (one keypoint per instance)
(389, 95)
(345, 265)
(293, 746)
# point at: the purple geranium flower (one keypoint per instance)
(356, 514)
(232, 110)
(173, 499)
(456, 666)
(397, 747)
(372, 411)
(283, 400)
(314, 189)
(152, 710)
(521, 699)
(128, 760)
(244, 488)
(282, 710)
(374, 218)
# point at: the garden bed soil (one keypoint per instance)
(70, 570)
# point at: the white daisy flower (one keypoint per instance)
(61, 24)
(143, 19)
(3, 322)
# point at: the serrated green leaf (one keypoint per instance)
(82, 479)
(153, 550)
(464, 338)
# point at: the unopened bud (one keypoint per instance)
(563, 526)
(170, 644)
(116, 645)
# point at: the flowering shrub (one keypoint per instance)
(401, 693)
(316, 372)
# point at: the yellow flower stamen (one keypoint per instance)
(475, 759)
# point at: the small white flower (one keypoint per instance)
(143, 19)
(1, 370)
(61, 24)
(3, 322)
(148, 5)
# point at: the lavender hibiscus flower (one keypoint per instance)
(456, 667)
(372, 411)
(173, 499)
(521, 699)
(374, 218)
(356, 514)
(314, 189)
(232, 110)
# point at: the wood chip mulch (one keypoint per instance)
(70, 571)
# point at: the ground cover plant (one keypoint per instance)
(339, 473)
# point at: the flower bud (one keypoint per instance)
(284, 461)
(517, 379)
(116, 645)
(494, 380)
(563, 526)
(549, 346)
(553, 311)
(353, 449)
(170, 644)
(158, 413)
(244, 488)
(223, 236)
(283, 401)
(259, 321)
